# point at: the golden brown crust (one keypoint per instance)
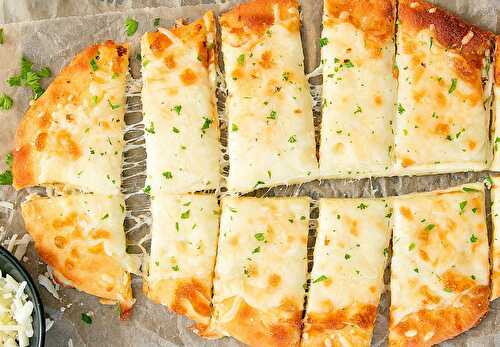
(497, 61)
(353, 324)
(450, 31)
(60, 242)
(258, 15)
(191, 34)
(441, 324)
(188, 297)
(70, 86)
(374, 17)
(255, 328)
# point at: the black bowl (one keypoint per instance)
(10, 265)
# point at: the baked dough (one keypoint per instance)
(347, 277)
(359, 88)
(183, 249)
(441, 62)
(440, 265)
(495, 243)
(269, 106)
(494, 68)
(81, 237)
(72, 135)
(178, 97)
(261, 270)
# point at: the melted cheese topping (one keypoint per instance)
(261, 269)
(269, 106)
(180, 118)
(444, 125)
(440, 266)
(347, 275)
(495, 69)
(78, 139)
(82, 238)
(495, 244)
(359, 88)
(183, 249)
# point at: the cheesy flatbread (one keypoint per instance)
(347, 275)
(72, 135)
(81, 237)
(359, 88)
(440, 265)
(178, 98)
(442, 121)
(261, 270)
(495, 243)
(495, 165)
(269, 106)
(183, 249)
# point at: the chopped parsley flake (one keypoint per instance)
(177, 109)
(234, 127)
(362, 206)
(401, 109)
(429, 227)
(206, 124)
(473, 238)
(6, 176)
(347, 256)
(320, 279)
(260, 237)
(147, 189)
(6, 102)
(258, 184)
(156, 22)
(131, 26)
(113, 106)
(411, 246)
(86, 318)
(292, 139)
(93, 64)
(462, 206)
(286, 76)
(358, 110)
(272, 115)
(469, 190)
(241, 59)
(151, 128)
(105, 216)
(2, 38)
(185, 214)
(177, 226)
(348, 63)
(256, 250)
(323, 41)
(175, 267)
(453, 85)
(167, 175)
(175, 130)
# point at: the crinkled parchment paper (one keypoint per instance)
(63, 28)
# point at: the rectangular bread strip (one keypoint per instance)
(440, 267)
(442, 63)
(347, 276)
(269, 106)
(359, 88)
(82, 238)
(495, 67)
(72, 135)
(183, 249)
(495, 243)
(261, 270)
(180, 117)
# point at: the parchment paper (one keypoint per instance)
(54, 41)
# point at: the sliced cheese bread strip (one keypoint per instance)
(442, 122)
(183, 249)
(347, 276)
(269, 106)
(72, 135)
(261, 270)
(495, 69)
(440, 265)
(82, 238)
(495, 243)
(178, 95)
(359, 88)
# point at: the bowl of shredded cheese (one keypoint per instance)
(22, 320)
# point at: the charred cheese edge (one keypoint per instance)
(261, 270)
(183, 249)
(440, 265)
(269, 106)
(82, 238)
(495, 165)
(347, 277)
(359, 88)
(495, 243)
(441, 62)
(180, 117)
(72, 135)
